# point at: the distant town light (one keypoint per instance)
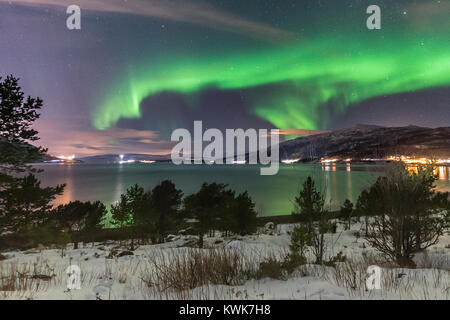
(67, 158)
(290, 161)
(127, 161)
(412, 160)
(147, 161)
(329, 160)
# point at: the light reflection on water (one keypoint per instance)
(443, 173)
(273, 195)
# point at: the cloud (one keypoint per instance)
(66, 141)
(220, 109)
(175, 10)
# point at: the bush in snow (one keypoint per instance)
(408, 214)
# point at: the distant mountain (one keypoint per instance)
(114, 158)
(367, 141)
(358, 143)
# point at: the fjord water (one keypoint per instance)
(273, 195)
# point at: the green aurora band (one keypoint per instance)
(337, 70)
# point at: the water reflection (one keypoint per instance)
(443, 173)
(337, 189)
(67, 196)
(119, 188)
(349, 182)
(329, 167)
(273, 195)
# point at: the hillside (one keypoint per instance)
(27, 151)
(374, 142)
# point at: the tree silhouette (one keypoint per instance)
(309, 204)
(23, 203)
(166, 201)
(346, 213)
(80, 217)
(239, 215)
(205, 207)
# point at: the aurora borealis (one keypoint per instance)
(322, 66)
(307, 79)
(165, 65)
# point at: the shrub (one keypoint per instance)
(301, 238)
(47, 234)
(408, 214)
(273, 268)
(346, 213)
(335, 260)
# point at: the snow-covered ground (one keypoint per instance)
(41, 274)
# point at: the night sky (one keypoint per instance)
(139, 69)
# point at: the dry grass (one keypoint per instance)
(417, 284)
(434, 260)
(193, 268)
(26, 279)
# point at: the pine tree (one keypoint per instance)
(22, 200)
(309, 206)
(135, 210)
(80, 217)
(166, 201)
(205, 207)
(17, 115)
(26, 204)
(239, 215)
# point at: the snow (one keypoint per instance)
(122, 277)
